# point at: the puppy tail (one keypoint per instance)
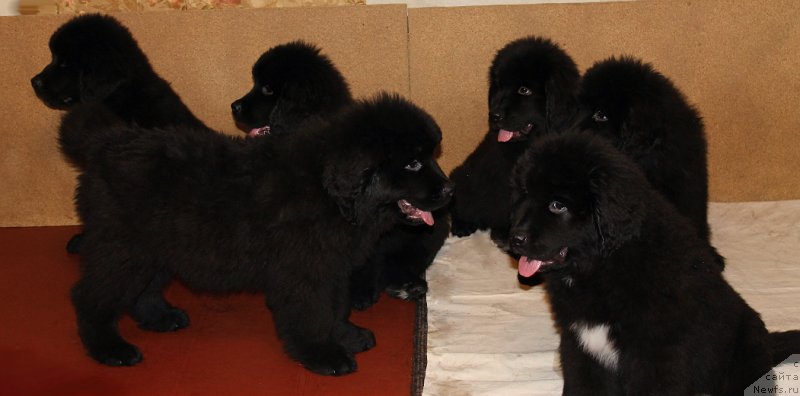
(784, 344)
(84, 130)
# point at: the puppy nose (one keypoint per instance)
(495, 117)
(518, 240)
(448, 189)
(37, 82)
(236, 107)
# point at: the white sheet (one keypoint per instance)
(488, 336)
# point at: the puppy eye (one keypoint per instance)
(598, 116)
(62, 65)
(557, 207)
(414, 166)
(266, 90)
(524, 91)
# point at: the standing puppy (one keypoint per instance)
(289, 216)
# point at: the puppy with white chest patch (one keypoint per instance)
(640, 304)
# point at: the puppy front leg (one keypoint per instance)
(582, 375)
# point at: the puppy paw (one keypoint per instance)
(412, 290)
(462, 228)
(117, 354)
(172, 319)
(358, 339)
(329, 359)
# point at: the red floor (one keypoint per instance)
(229, 349)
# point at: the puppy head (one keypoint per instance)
(574, 198)
(381, 162)
(624, 97)
(92, 55)
(532, 85)
(291, 82)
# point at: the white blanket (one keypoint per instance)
(489, 336)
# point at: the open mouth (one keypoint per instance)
(415, 214)
(530, 266)
(505, 135)
(264, 130)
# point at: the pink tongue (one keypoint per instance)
(254, 132)
(504, 135)
(528, 266)
(427, 217)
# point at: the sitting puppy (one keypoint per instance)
(637, 297)
(288, 216)
(532, 83)
(96, 59)
(648, 118)
(293, 84)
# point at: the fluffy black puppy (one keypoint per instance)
(288, 216)
(637, 297)
(648, 118)
(532, 83)
(293, 84)
(96, 59)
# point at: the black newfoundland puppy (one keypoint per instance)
(96, 59)
(648, 118)
(532, 83)
(293, 84)
(639, 301)
(288, 216)
(296, 86)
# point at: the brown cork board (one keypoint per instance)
(737, 62)
(206, 55)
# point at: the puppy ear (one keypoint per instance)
(96, 85)
(560, 94)
(618, 211)
(346, 181)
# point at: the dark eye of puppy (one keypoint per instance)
(599, 116)
(63, 65)
(266, 90)
(557, 207)
(524, 91)
(414, 166)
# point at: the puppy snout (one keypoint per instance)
(447, 190)
(236, 107)
(518, 239)
(495, 116)
(37, 82)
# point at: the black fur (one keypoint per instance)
(482, 181)
(289, 216)
(614, 252)
(293, 84)
(96, 59)
(399, 262)
(648, 118)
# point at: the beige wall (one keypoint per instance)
(735, 60)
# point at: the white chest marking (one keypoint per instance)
(595, 341)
